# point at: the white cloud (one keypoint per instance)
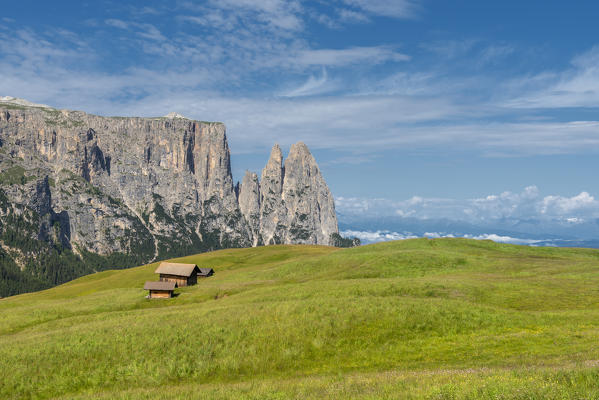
(242, 36)
(387, 8)
(494, 53)
(357, 206)
(451, 49)
(117, 23)
(402, 110)
(215, 18)
(271, 15)
(376, 236)
(559, 205)
(346, 15)
(506, 208)
(146, 10)
(436, 235)
(470, 54)
(348, 122)
(404, 84)
(354, 55)
(503, 239)
(354, 159)
(61, 74)
(149, 31)
(314, 85)
(146, 31)
(575, 87)
(383, 236)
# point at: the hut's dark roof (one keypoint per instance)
(159, 285)
(205, 271)
(176, 269)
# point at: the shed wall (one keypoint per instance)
(160, 294)
(179, 280)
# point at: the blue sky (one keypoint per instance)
(398, 100)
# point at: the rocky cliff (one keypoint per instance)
(291, 203)
(110, 192)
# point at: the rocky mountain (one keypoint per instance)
(291, 203)
(82, 193)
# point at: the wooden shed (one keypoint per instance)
(181, 274)
(205, 272)
(160, 290)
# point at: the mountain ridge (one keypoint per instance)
(134, 189)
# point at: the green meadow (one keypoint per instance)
(415, 319)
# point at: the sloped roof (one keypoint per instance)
(159, 286)
(205, 271)
(176, 269)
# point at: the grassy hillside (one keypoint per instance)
(440, 319)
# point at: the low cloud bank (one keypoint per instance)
(377, 236)
(505, 239)
(508, 205)
(382, 236)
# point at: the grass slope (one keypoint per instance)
(440, 319)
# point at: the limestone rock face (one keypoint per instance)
(150, 187)
(249, 204)
(310, 207)
(161, 184)
(295, 203)
(291, 203)
(272, 208)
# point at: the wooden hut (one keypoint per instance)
(205, 272)
(181, 274)
(160, 290)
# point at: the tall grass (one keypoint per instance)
(421, 318)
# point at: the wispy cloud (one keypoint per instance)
(146, 11)
(387, 8)
(450, 49)
(354, 159)
(269, 14)
(494, 53)
(577, 86)
(144, 30)
(313, 85)
(352, 16)
(354, 55)
(411, 115)
(117, 23)
(274, 86)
